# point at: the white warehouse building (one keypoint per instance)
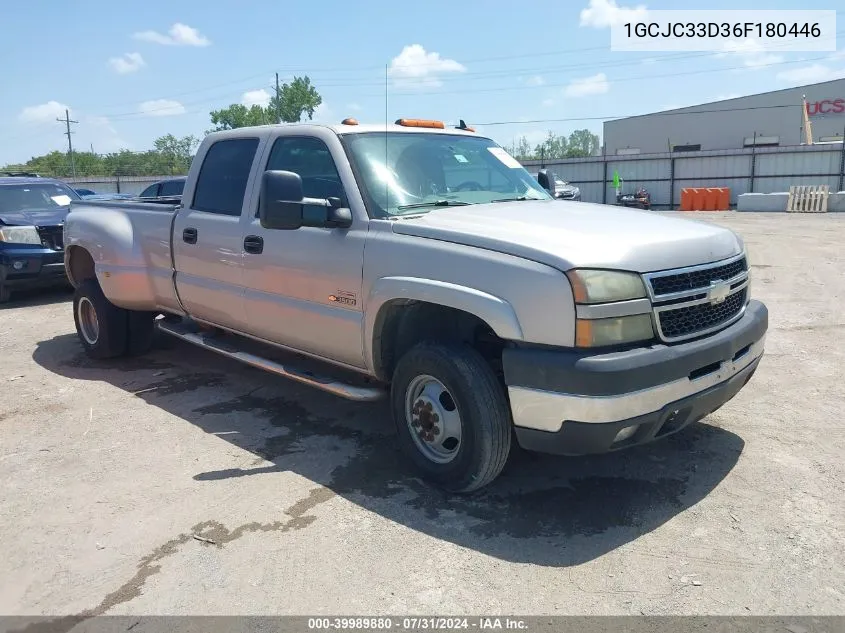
(769, 119)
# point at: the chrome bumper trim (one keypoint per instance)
(547, 410)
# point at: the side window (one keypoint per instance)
(221, 183)
(311, 159)
(172, 188)
(150, 192)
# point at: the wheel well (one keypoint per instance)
(80, 265)
(403, 323)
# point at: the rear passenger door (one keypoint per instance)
(207, 237)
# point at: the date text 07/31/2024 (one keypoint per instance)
(418, 623)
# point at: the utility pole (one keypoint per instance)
(278, 116)
(808, 128)
(67, 121)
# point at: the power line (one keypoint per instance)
(627, 116)
(621, 79)
(368, 81)
(67, 121)
(227, 95)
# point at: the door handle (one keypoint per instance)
(189, 235)
(254, 244)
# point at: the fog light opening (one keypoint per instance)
(19, 264)
(625, 434)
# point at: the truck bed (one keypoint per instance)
(132, 249)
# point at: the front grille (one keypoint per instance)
(682, 322)
(692, 280)
(52, 237)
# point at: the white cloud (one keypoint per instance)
(536, 80)
(594, 85)
(161, 107)
(604, 13)
(178, 35)
(323, 114)
(128, 63)
(43, 113)
(354, 107)
(812, 74)
(256, 97)
(548, 103)
(418, 68)
(99, 132)
(752, 53)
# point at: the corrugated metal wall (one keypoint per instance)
(763, 170)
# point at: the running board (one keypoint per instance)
(331, 385)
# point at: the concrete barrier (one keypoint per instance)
(777, 201)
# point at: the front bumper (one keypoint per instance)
(22, 267)
(576, 403)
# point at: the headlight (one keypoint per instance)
(19, 235)
(602, 332)
(602, 286)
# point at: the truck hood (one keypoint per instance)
(578, 235)
(34, 217)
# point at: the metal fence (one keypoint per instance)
(750, 170)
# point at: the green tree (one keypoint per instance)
(176, 153)
(295, 100)
(523, 149)
(290, 104)
(170, 155)
(238, 115)
(582, 143)
(553, 147)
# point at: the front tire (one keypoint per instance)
(100, 325)
(5, 294)
(451, 416)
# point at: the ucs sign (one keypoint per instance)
(826, 107)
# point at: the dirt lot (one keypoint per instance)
(109, 471)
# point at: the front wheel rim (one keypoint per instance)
(89, 324)
(433, 419)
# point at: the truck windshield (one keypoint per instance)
(35, 196)
(412, 173)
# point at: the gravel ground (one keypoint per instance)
(109, 472)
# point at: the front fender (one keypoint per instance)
(495, 311)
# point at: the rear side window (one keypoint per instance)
(150, 192)
(222, 181)
(172, 188)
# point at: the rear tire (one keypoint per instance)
(451, 415)
(140, 332)
(100, 325)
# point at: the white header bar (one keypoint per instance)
(746, 31)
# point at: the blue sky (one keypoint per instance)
(130, 73)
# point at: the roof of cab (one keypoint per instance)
(353, 129)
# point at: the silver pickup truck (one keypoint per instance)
(424, 264)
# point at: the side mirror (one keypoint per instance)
(281, 200)
(547, 181)
(337, 216)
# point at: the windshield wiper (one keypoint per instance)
(517, 199)
(434, 203)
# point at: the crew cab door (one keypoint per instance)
(302, 287)
(207, 235)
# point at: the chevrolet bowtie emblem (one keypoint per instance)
(718, 292)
